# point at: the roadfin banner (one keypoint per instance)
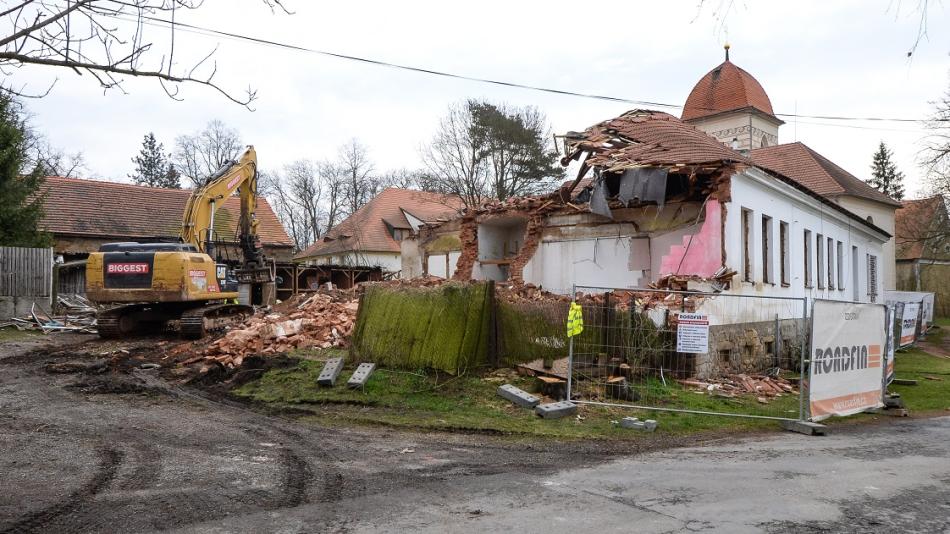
(848, 355)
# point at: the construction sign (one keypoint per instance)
(575, 320)
(848, 343)
(692, 333)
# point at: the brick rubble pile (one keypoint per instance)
(320, 321)
(764, 387)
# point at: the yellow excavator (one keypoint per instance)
(155, 283)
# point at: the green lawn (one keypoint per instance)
(426, 400)
(932, 392)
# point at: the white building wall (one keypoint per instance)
(388, 261)
(764, 195)
(883, 217)
(620, 261)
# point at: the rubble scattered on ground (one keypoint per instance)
(764, 387)
(77, 314)
(320, 321)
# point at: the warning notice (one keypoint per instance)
(692, 333)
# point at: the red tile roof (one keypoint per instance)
(132, 212)
(365, 230)
(918, 225)
(816, 172)
(647, 137)
(726, 88)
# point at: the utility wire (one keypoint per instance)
(380, 63)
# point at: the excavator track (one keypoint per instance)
(118, 322)
(197, 322)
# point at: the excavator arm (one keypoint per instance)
(197, 226)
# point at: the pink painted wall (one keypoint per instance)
(704, 256)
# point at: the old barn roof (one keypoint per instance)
(110, 210)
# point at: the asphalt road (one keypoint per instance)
(93, 452)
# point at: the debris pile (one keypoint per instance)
(321, 321)
(764, 387)
(78, 315)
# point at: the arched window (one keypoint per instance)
(765, 141)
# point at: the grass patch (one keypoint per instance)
(930, 394)
(425, 400)
(12, 334)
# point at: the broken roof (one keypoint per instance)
(919, 225)
(366, 229)
(95, 209)
(642, 137)
(816, 172)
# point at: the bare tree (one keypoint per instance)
(455, 158)
(108, 40)
(201, 154)
(483, 150)
(355, 170)
(57, 162)
(334, 194)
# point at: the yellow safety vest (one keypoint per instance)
(575, 320)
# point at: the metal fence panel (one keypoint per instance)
(627, 354)
(25, 272)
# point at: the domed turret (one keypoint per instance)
(731, 105)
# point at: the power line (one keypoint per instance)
(380, 63)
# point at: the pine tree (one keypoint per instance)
(22, 206)
(152, 167)
(884, 174)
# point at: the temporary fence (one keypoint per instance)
(688, 351)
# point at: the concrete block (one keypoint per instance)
(893, 412)
(805, 427)
(361, 375)
(893, 402)
(556, 410)
(518, 396)
(331, 370)
(633, 423)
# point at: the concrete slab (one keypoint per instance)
(518, 396)
(635, 424)
(556, 410)
(805, 427)
(361, 375)
(331, 370)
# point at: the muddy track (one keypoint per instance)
(109, 460)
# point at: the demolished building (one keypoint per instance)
(659, 203)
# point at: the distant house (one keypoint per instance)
(83, 214)
(923, 249)
(366, 245)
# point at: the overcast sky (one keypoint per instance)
(812, 57)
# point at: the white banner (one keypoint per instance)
(889, 344)
(692, 333)
(909, 323)
(847, 352)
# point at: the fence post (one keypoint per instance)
(801, 361)
(570, 350)
(492, 325)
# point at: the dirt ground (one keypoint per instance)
(94, 442)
